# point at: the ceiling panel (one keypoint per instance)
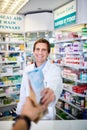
(11, 6)
(42, 5)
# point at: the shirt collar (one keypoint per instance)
(41, 66)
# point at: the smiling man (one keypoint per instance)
(51, 81)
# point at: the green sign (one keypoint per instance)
(66, 20)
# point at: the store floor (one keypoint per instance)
(51, 125)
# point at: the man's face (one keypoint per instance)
(40, 53)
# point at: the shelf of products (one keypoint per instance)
(12, 63)
(71, 56)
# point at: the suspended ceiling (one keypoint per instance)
(13, 6)
(42, 5)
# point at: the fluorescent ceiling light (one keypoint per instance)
(11, 6)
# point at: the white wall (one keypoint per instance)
(39, 22)
(81, 11)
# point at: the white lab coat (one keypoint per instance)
(52, 79)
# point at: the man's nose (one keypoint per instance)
(40, 51)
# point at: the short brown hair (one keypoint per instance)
(42, 40)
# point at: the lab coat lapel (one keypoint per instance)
(46, 67)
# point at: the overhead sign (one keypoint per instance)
(11, 23)
(65, 15)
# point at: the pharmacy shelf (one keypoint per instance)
(75, 106)
(75, 80)
(74, 93)
(12, 42)
(11, 51)
(12, 63)
(77, 67)
(6, 118)
(59, 117)
(7, 105)
(11, 74)
(66, 112)
(5, 94)
(8, 61)
(8, 85)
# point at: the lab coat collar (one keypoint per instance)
(46, 67)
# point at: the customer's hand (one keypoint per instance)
(31, 110)
(48, 96)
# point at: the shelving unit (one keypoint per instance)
(71, 56)
(12, 63)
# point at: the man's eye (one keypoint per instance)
(37, 49)
(44, 49)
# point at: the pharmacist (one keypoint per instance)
(42, 73)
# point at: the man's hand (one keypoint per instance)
(47, 96)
